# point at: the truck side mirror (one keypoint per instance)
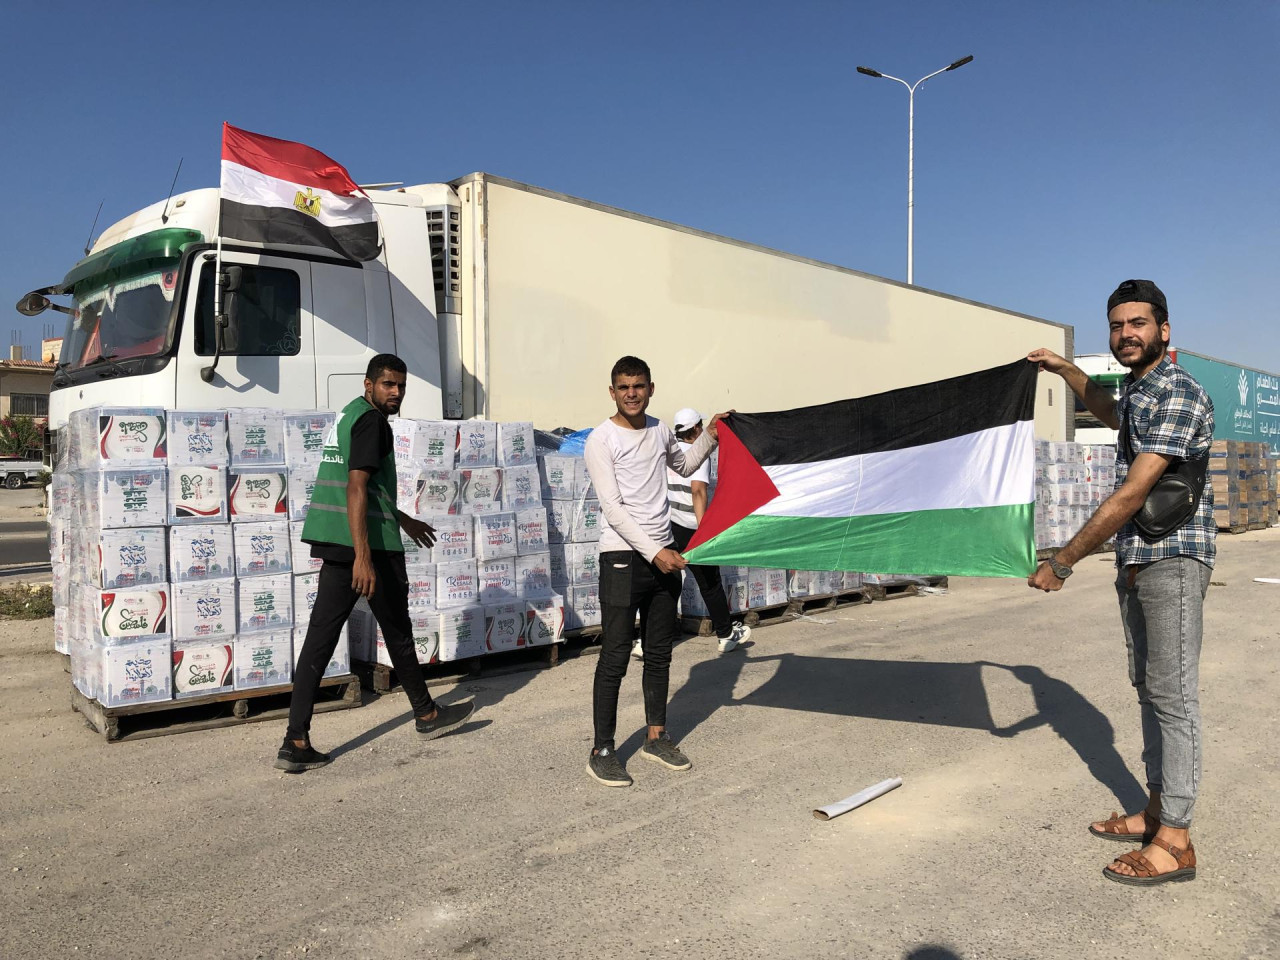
(226, 325)
(33, 304)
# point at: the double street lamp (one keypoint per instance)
(911, 152)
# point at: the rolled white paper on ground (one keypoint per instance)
(833, 810)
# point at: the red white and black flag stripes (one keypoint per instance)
(281, 192)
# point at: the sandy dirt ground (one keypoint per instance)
(1007, 713)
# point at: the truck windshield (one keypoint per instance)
(127, 316)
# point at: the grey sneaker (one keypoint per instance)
(637, 650)
(740, 633)
(448, 719)
(605, 767)
(664, 751)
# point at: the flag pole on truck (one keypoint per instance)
(283, 192)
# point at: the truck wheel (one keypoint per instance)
(13, 481)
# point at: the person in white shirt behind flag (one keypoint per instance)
(688, 498)
(627, 456)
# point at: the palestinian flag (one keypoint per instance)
(281, 192)
(937, 479)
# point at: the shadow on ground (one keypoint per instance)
(931, 952)
(910, 691)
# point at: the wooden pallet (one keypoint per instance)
(697, 626)
(1234, 529)
(381, 678)
(765, 616)
(812, 604)
(891, 591)
(142, 720)
(849, 598)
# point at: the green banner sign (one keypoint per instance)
(1246, 402)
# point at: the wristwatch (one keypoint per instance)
(1060, 570)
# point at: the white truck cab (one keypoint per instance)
(302, 323)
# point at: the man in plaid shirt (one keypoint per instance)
(1165, 416)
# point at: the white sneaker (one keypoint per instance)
(740, 633)
(637, 651)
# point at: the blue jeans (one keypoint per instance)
(1161, 607)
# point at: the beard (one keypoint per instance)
(1150, 354)
(384, 405)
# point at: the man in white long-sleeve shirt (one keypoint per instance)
(627, 457)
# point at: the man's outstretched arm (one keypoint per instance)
(1100, 403)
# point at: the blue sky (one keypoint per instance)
(1087, 142)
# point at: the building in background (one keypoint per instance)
(24, 387)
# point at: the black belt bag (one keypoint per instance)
(1174, 499)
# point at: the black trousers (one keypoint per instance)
(709, 585)
(631, 584)
(708, 580)
(335, 599)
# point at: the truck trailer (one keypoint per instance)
(508, 302)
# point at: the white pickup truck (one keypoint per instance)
(14, 473)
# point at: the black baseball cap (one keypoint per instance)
(1137, 291)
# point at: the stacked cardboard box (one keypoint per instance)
(1072, 480)
(476, 483)
(110, 573)
(1273, 515)
(573, 531)
(172, 561)
(1242, 477)
(1224, 480)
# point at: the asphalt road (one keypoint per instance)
(24, 544)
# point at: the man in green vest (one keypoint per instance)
(354, 527)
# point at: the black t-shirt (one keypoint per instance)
(371, 443)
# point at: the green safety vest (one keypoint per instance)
(327, 516)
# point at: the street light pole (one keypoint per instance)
(911, 151)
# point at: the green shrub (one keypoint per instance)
(20, 436)
(24, 601)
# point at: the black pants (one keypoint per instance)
(708, 580)
(335, 599)
(629, 583)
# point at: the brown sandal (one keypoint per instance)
(1114, 829)
(1146, 873)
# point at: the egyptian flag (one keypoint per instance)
(937, 479)
(281, 192)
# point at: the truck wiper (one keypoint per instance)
(116, 368)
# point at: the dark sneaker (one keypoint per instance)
(448, 719)
(605, 767)
(664, 751)
(293, 759)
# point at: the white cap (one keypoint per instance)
(686, 419)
